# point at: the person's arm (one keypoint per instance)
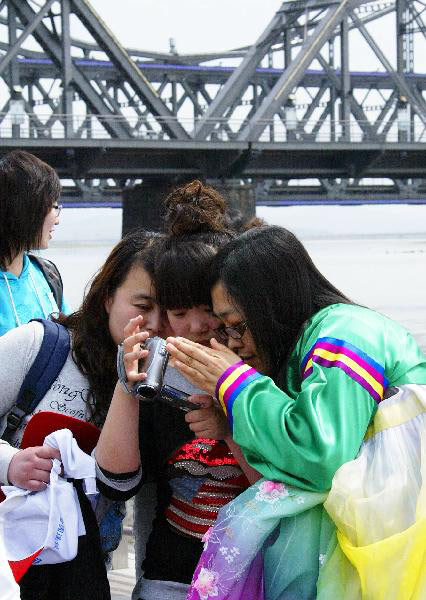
(29, 468)
(210, 422)
(7, 452)
(117, 450)
(300, 440)
(14, 348)
(304, 440)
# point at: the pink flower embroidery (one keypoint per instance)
(271, 491)
(206, 537)
(206, 583)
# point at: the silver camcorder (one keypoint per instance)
(152, 388)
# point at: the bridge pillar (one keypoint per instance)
(143, 203)
(240, 198)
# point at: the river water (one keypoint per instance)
(375, 254)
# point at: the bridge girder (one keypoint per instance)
(290, 88)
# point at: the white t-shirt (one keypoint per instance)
(8, 586)
(68, 395)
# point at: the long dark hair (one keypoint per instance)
(196, 226)
(28, 190)
(94, 351)
(271, 277)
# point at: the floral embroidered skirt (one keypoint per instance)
(272, 537)
(366, 540)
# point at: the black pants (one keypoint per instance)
(83, 578)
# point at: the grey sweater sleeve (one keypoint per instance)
(18, 349)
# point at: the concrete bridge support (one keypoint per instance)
(143, 203)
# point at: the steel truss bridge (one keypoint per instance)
(287, 114)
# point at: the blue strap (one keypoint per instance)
(46, 367)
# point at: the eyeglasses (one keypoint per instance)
(236, 332)
(57, 208)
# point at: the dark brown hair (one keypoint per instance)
(196, 224)
(28, 189)
(194, 208)
(94, 351)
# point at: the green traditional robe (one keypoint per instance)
(339, 370)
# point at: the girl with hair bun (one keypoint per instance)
(191, 459)
(196, 227)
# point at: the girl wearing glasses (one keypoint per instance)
(185, 457)
(30, 286)
(327, 400)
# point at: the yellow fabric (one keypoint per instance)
(399, 571)
(378, 503)
(396, 414)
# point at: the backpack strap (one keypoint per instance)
(52, 276)
(46, 367)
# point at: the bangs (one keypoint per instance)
(181, 276)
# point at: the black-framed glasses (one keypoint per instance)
(57, 208)
(235, 332)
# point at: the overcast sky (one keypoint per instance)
(196, 25)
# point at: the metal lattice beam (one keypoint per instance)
(49, 44)
(14, 49)
(399, 80)
(240, 78)
(289, 108)
(129, 70)
(292, 76)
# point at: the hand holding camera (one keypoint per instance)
(147, 374)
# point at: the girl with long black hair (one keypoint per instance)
(327, 400)
(190, 460)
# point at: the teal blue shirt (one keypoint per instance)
(31, 295)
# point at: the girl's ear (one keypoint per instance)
(107, 305)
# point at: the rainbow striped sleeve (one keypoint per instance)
(231, 383)
(331, 352)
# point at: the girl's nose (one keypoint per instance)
(155, 323)
(199, 326)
